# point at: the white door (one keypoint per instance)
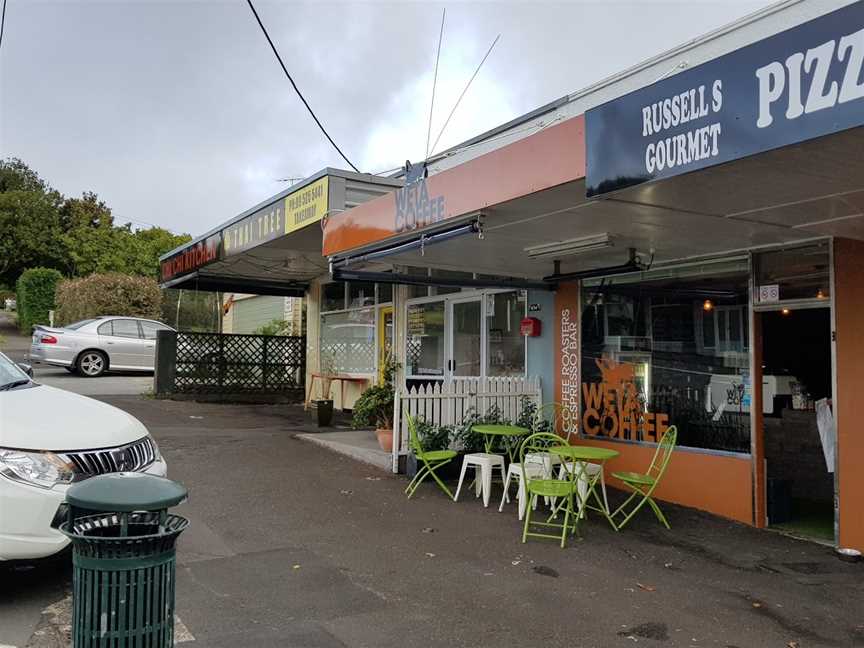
(466, 333)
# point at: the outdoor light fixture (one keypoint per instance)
(707, 305)
(820, 294)
(785, 311)
(570, 247)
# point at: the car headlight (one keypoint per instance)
(157, 455)
(43, 469)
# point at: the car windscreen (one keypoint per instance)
(78, 325)
(9, 371)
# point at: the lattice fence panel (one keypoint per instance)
(222, 363)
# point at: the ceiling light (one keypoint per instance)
(785, 311)
(707, 305)
(570, 247)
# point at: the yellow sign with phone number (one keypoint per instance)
(306, 206)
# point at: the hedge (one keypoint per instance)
(108, 294)
(36, 290)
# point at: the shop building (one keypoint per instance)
(691, 244)
(685, 239)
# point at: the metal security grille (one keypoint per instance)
(212, 363)
(134, 456)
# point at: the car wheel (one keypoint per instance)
(92, 364)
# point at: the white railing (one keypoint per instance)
(449, 402)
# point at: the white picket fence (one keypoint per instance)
(448, 403)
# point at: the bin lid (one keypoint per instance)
(126, 491)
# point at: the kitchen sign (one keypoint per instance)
(800, 84)
(191, 258)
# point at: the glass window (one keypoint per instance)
(799, 273)
(670, 348)
(505, 346)
(425, 340)
(78, 325)
(385, 293)
(348, 342)
(106, 329)
(333, 296)
(466, 337)
(360, 294)
(125, 328)
(151, 328)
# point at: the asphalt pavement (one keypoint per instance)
(291, 545)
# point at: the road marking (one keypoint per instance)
(181, 632)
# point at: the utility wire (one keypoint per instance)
(296, 89)
(435, 83)
(2, 22)
(468, 85)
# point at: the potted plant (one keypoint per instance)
(324, 406)
(375, 407)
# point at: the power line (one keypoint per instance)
(297, 90)
(468, 85)
(2, 22)
(435, 83)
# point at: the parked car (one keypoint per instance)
(93, 346)
(49, 439)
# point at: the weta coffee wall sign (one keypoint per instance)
(802, 83)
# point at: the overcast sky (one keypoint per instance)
(177, 114)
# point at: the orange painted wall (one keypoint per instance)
(849, 320)
(719, 484)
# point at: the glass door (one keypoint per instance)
(466, 347)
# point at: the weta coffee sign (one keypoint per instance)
(797, 85)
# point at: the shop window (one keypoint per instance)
(425, 340)
(348, 342)
(505, 346)
(668, 349)
(798, 273)
(385, 293)
(360, 294)
(333, 296)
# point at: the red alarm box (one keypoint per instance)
(530, 327)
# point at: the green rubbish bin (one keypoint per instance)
(123, 559)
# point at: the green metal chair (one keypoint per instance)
(535, 487)
(431, 461)
(643, 484)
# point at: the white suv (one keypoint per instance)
(50, 438)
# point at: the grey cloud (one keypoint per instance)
(176, 113)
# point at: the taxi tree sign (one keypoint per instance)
(300, 208)
(797, 85)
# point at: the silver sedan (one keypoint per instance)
(93, 346)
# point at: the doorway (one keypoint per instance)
(797, 387)
(466, 319)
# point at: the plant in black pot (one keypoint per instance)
(375, 407)
(324, 406)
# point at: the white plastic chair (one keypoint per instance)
(484, 464)
(537, 465)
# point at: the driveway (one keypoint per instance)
(17, 347)
(291, 545)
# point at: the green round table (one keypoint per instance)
(587, 487)
(507, 434)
